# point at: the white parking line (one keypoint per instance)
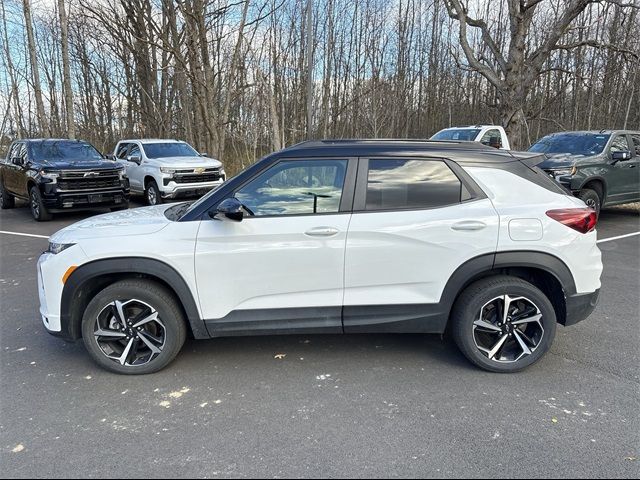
(618, 237)
(24, 234)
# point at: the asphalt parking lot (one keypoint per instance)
(334, 406)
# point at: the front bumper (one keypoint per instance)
(174, 190)
(580, 306)
(56, 201)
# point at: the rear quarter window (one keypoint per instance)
(404, 184)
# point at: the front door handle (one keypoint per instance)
(322, 232)
(469, 226)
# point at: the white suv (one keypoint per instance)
(167, 169)
(335, 237)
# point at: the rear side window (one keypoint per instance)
(397, 184)
(636, 145)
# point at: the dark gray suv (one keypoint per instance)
(600, 167)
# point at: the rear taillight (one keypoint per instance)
(581, 219)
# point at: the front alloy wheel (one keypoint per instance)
(130, 332)
(134, 327)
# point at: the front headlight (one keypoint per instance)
(52, 177)
(558, 172)
(56, 248)
(169, 171)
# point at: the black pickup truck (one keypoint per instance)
(57, 175)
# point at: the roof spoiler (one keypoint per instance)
(529, 159)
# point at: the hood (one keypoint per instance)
(188, 162)
(135, 221)
(562, 160)
(72, 164)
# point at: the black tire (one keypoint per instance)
(591, 198)
(474, 302)
(36, 205)
(6, 199)
(129, 292)
(152, 193)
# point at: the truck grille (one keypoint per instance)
(197, 176)
(89, 180)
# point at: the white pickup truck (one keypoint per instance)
(168, 169)
(492, 135)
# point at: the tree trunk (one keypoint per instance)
(66, 70)
(35, 73)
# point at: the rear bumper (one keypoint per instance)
(174, 190)
(580, 306)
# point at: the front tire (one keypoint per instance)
(134, 327)
(38, 210)
(503, 324)
(152, 193)
(591, 198)
(6, 199)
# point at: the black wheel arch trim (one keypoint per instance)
(491, 263)
(599, 179)
(72, 291)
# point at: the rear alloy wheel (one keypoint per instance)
(133, 327)
(6, 199)
(152, 193)
(38, 210)
(503, 324)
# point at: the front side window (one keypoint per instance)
(636, 144)
(492, 138)
(620, 144)
(169, 149)
(411, 184)
(296, 187)
(121, 152)
(134, 151)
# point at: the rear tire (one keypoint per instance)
(6, 199)
(497, 342)
(117, 344)
(152, 193)
(591, 198)
(38, 210)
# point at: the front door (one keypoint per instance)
(286, 257)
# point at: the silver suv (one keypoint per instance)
(168, 169)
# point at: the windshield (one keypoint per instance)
(165, 149)
(63, 150)
(572, 143)
(469, 134)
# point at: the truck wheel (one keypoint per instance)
(591, 198)
(134, 327)
(503, 324)
(152, 193)
(6, 199)
(38, 210)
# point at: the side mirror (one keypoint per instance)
(111, 157)
(17, 161)
(134, 159)
(204, 154)
(230, 208)
(621, 156)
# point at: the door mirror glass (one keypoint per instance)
(230, 208)
(621, 156)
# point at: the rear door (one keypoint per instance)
(414, 223)
(624, 174)
(634, 187)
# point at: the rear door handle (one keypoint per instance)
(468, 226)
(322, 232)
